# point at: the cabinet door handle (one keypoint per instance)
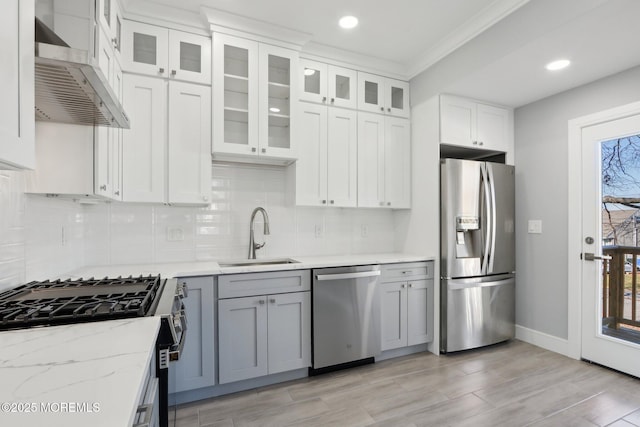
(161, 70)
(103, 187)
(272, 300)
(324, 202)
(481, 143)
(382, 109)
(389, 109)
(117, 193)
(331, 201)
(475, 142)
(333, 100)
(411, 285)
(264, 150)
(403, 285)
(261, 302)
(253, 149)
(388, 203)
(324, 99)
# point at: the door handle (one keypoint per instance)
(591, 257)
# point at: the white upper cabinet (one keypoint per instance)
(384, 161)
(328, 84)
(162, 52)
(326, 170)
(17, 119)
(468, 123)
(110, 19)
(253, 89)
(383, 95)
(144, 145)
(189, 160)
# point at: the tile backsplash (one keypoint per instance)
(43, 237)
(118, 233)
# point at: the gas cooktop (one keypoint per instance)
(83, 300)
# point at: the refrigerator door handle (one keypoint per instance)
(458, 286)
(493, 208)
(487, 221)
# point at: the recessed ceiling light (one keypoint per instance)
(348, 22)
(274, 109)
(309, 71)
(558, 65)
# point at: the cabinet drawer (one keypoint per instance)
(276, 282)
(407, 270)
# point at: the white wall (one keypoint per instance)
(541, 137)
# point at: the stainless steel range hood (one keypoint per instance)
(70, 87)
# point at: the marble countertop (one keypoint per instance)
(86, 374)
(208, 268)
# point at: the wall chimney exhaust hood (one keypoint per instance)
(70, 87)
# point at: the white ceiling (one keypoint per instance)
(599, 36)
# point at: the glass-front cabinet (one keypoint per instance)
(328, 84)
(253, 90)
(383, 95)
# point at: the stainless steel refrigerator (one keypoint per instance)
(477, 235)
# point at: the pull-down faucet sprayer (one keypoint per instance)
(253, 246)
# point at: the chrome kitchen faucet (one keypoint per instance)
(252, 244)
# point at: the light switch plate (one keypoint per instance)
(535, 226)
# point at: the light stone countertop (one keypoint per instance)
(208, 268)
(99, 364)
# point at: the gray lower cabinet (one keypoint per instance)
(262, 328)
(406, 292)
(196, 366)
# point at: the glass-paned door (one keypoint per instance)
(610, 224)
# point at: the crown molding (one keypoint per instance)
(230, 23)
(480, 22)
(166, 16)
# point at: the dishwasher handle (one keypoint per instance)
(343, 276)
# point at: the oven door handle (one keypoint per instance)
(176, 350)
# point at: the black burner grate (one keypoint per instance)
(74, 301)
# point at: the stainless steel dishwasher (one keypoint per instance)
(346, 317)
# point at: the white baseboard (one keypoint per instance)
(546, 341)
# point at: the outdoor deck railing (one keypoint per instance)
(620, 286)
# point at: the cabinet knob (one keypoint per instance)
(173, 73)
(272, 300)
(389, 109)
(382, 109)
(324, 99)
(481, 143)
(333, 100)
(381, 203)
(103, 187)
(117, 193)
(264, 150)
(261, 302)
(403, 285)
(324, 202)
(253, 149)
(331, 202)
(161, 70)
(475, 142)
(411, 285)
(388, 203)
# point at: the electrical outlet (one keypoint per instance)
(319, 231)
(535, 226)
(175, 234)
(364, 230)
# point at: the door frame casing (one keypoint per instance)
(574, 217)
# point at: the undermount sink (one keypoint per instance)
(256, 262)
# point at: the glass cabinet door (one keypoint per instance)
(371, 93)
(235, 102)
(342, 87)
(145, 49)
(189, 57)
(313, 84)
(397, 96)
(277, 89)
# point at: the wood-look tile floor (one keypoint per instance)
(511, 384)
